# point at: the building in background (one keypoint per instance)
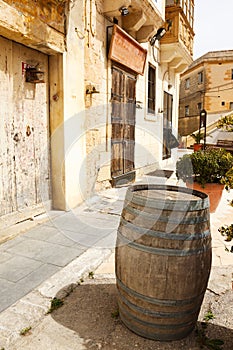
(206, 84)
(89, 93)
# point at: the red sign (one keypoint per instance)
(127, 51)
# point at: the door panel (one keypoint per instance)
(167, 124)
(117, 119)
(7, 184)
(123, 122)
(24, 130)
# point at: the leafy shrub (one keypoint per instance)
(206, 166)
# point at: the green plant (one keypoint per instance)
(208, 316)
(55, 304)
(197, 137)
(80, 281)
(227, 179)
(226, 123)
(115, 314)
(91, 275)
(227, 231)
(24, 331)
(206, 166)
(202, 339)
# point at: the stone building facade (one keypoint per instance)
(206, 84)
(89, 89)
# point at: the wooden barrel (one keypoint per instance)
(163, 260)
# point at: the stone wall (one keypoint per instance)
(50, 12)
(38, 24)
(219, 87)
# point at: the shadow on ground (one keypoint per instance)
(90, 310)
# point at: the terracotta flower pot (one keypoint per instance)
(197, 147)
(214, 191)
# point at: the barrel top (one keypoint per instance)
(167, 197)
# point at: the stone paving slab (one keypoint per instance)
(17, 268)
(25, 285)
(45, 252)
(5, 286)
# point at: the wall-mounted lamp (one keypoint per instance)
(34, 75)
(160, 33)
(124, 11)
(92, 89)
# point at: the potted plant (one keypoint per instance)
(197, 138)
(207, 171)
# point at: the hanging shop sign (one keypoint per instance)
(127, 51)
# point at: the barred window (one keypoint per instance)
(151, 89)
(200, 77)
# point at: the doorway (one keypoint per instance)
(123, 99)
(167, 124)
(24, 131)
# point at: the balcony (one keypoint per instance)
(177, 44)
(141, 22)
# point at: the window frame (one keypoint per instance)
(200, 77)
(187, 84)
(199, 108)
(151, 90)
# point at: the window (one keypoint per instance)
(185, 7)
(151, 90)
(188, 8)
(187, 83)
(192, 15)
(199, 107)
(223, 103)
(231, 105)
(232, 74)
(186, 111)
(200, 77)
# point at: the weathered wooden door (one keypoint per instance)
(123, 126)
(167, 124)
(24, 131)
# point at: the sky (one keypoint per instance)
(213, 26)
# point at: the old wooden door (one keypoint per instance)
(167, 124)
(24, 131)
(123, 126)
